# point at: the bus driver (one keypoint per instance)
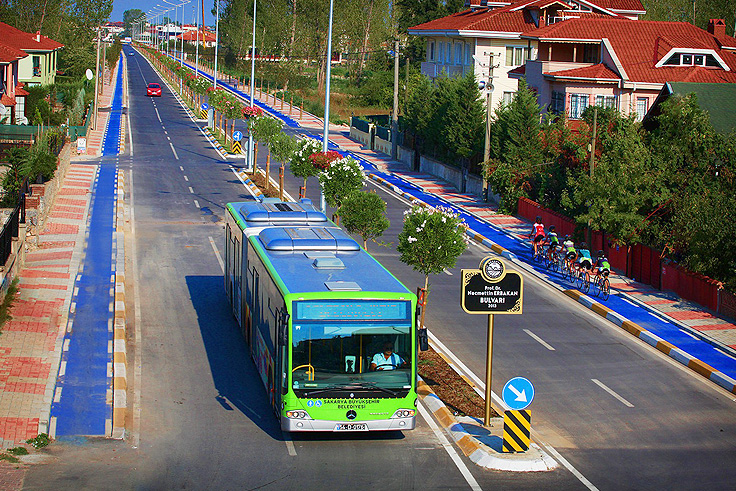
(387, 360)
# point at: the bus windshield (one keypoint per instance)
(351, 356)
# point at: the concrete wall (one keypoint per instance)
(452, 175)
(362, 136)
(381, 145)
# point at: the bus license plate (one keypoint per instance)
(351, 427)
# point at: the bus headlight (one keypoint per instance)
(403, 413)
(298, 414)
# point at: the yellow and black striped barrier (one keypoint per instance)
(203, 114)
(236, 147)
(516, 430)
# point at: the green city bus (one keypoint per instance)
(331, 331)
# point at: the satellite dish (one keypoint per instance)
(89, 74)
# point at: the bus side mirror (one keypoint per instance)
(423, 339)
(283, 327)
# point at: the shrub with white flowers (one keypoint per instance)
(432, 239)
(301, 165)
(342, 178)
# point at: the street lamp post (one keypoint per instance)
(196, 56)
(252, 84)
(325, 134)
(395, 117)
(217, 40)
(97, 77)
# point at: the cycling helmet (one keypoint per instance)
(567, 237)
(583, 245)
(551, 228)
(601, 253)
(539, 219)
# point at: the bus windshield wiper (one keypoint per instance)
(372, 385)
(325, 389)
(352, 386)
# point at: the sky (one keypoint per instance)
(190, 9)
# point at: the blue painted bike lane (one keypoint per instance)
(85, 405)
(661, 327)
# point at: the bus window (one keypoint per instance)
(340, 354)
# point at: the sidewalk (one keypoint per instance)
(32, 341)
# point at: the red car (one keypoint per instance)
(153, 89)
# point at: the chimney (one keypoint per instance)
(717, 27)
(542, 18)
(38, 34)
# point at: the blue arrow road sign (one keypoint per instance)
(237, 136)
(518, 393)
(205, 106)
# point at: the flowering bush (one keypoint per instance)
(252, 111)
(322, 160)
(432, 239)
(341, 178)
(301, 164)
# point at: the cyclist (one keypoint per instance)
(584, 258)
(537, 234)
(569, 246)
(602, 266)
(552, 238)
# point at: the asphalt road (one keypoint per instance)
(623, 415)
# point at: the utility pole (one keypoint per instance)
(395, 117)
(487, 146)
(97, 78)
(104, 60)
(592, 166)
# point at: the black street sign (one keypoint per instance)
(492, 289)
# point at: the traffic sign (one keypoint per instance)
(237, 136)
(492, 289)
(205, 106)
(518, 393)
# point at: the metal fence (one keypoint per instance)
(360, 124)
(27, 134)
(10, 230)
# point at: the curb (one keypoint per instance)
(479, 453)
(652, 339)
(667, 348)
(120, 362)
(243, 176)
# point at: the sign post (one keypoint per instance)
(491, 290)
(517, 394)
(236, 147)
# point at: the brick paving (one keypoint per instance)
(30, 344)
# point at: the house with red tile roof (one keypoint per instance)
(39, 67)
(623, 64)
(204, 37)
(486, 38)
(9, 96)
